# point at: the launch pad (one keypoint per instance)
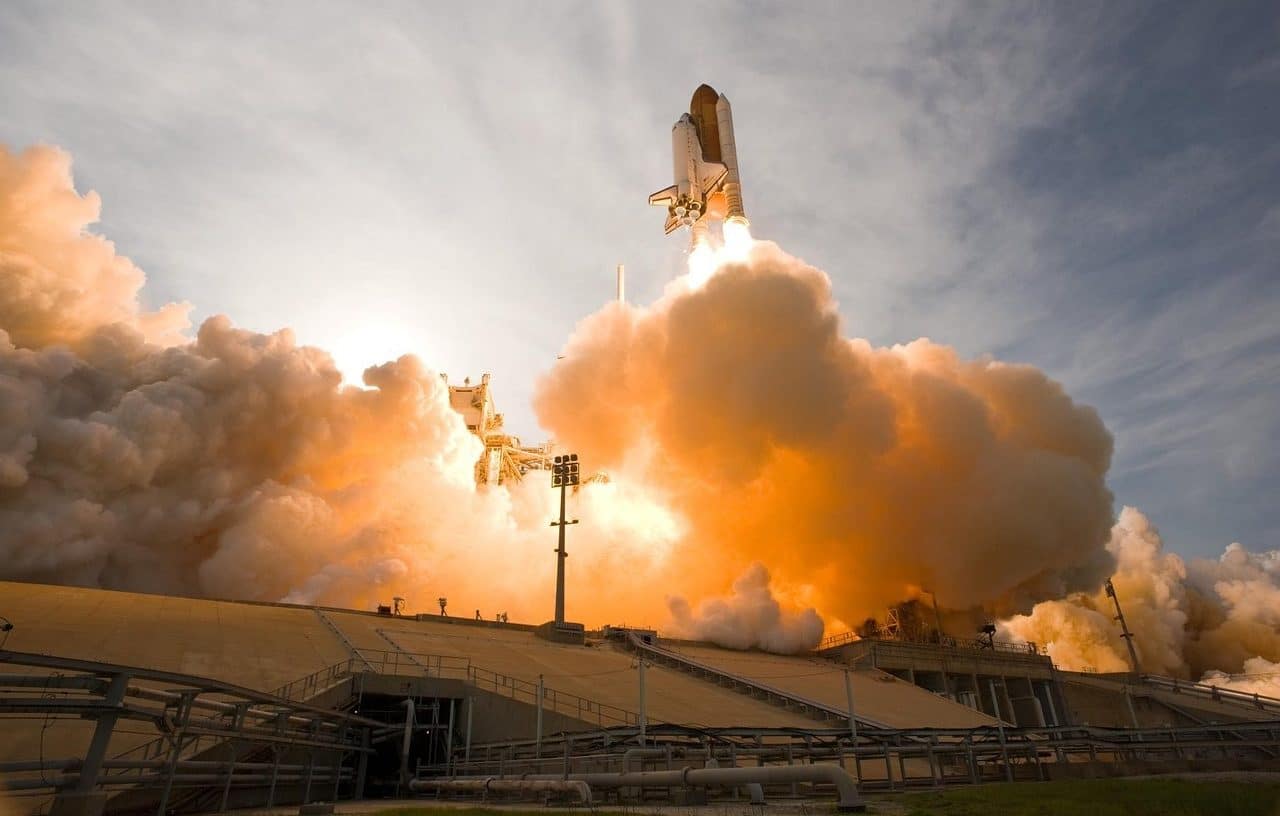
(161, 704)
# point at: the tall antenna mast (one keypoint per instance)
(622, 284)
(1124, 628)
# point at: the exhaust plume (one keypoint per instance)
(857, 471)
(743, 431)
(236, 465)
(1197, 619)
(750, 618)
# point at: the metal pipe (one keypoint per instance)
(53, 782)
(848, 799)
(641, 753)
(492, 785)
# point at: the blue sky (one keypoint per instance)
(1093, 188)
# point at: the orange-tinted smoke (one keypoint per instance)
(237, 465)
(855, 473)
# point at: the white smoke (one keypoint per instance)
(1260, 676)
(1191, 619)
(749, 618)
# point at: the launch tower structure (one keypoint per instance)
(505, 458)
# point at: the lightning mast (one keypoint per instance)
(1124, 628)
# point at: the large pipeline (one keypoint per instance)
(847, 789)
(753, 789)
(751, 778)
(492, 785)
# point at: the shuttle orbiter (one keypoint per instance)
(705, 160)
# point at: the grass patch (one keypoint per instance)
(1096, 797)
(481, 811)
(1102, 797)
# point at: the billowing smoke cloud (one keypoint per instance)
(60, 284)
(1193, 619)
(750, 618)
(1259, 676)
(236, 464)
(738, 423)
(861, 473)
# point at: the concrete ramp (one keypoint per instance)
(879, 698)
(597, 671)
(259, 646)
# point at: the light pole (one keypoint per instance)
(564, 474)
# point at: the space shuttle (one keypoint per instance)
(705, 160)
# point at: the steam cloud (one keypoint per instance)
(237, 465)
(740, 427)
(750, 618)
(857, 473)
(1196, 619)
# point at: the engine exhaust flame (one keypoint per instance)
(706, 257)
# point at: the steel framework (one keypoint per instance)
(208, 735)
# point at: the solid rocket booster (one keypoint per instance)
(704, 163)
(729, 155)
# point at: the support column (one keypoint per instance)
(83, 799)
(466, 751)
(848, 694)
(448, 742)
(92, 764)
(362, 764)
(182, 716)
(537, 739)
(642, 712)
(1004, 749)
(231, 771)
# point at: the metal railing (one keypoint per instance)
(1212, 692)
(946, 641)
(562, 702)
(582, 708)
(318, 682)
(188, 714)
(838, 639)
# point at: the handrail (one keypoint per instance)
(838, 639)
(437, 665)
(1217, 693)
(310, 685)
(946, 641)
